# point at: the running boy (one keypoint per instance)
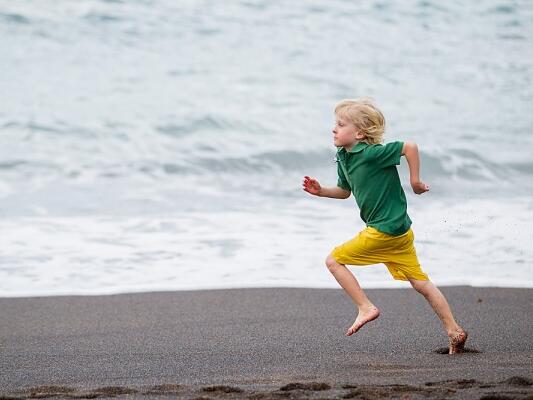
(367, 169)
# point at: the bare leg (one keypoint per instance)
(366, 310)
(441, 307)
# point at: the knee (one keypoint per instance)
(419, 286)
(331, 263)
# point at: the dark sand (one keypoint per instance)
(264, 343)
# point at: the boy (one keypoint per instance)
(368, 170)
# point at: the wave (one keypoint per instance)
(15, 18)
(184, 101)
(191, 126)
(461, 164)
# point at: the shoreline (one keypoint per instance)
(254, 342)
(367, 285)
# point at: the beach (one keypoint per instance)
(264, 343)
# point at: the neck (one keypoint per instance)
(351, 146)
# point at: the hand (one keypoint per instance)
(419, 187)
(312, 186)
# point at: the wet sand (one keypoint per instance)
(264, 343)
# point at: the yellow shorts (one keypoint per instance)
(371, 246)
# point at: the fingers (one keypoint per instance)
(420, 187)
(308, 180)
(308, 190)
(306, 183)
(310, 185)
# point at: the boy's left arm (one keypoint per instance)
(410, 151)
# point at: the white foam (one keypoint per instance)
(473, 243)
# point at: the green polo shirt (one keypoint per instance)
(369, 172)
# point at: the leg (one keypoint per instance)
(367, 311)
(441, 307)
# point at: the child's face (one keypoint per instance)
(345, 133)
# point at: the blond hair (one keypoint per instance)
(365, 116)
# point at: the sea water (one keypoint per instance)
(160, 145)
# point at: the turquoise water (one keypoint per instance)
(152, 145)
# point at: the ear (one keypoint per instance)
(359, 135)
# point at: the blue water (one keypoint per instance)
(160, 145)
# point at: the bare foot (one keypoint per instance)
(363, 318)
(457, 341)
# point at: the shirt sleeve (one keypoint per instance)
(385, 155)
(342, 182)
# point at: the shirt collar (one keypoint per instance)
(356, 149)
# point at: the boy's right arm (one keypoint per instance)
(312, 186)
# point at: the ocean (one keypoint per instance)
(161, 145)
